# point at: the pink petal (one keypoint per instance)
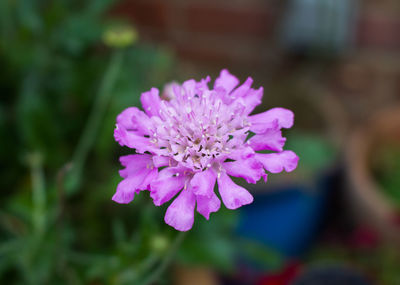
(142, 123)
(252, 99)
(132, 140)
(271, 139)
(242, 89)
(203, 84)
(168, 92)
(207, 205)
(135, 163)
(226, 81)
(277, 162)
(242, 153)
(261, 122)
(232, 195)
(133, 119)
(152, 176)
(127, 188)
(124, 119)
(180, 214)
(249, 169)
(167, 185)
(131, 125)
(160, 161)
(124, 194)
(189, 87)
(203, 183)
(151, 102)
(138, 173)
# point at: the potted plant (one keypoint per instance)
(373, 165)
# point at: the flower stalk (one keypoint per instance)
(157, 273)
(91, 128)
(38, 192)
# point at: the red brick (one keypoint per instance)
(151, 13)
(227, 20)
(398, 85)
(379, 32)
(354, 77)
(218, 55)
(203, 54)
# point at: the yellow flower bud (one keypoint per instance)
(159, 243)
(120, 36)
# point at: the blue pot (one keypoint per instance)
(286, 218)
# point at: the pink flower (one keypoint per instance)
(197, 139)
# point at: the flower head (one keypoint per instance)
(196, 140)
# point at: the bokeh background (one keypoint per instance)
(68, 67)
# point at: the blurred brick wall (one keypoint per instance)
(241, 35)
(208, 31)
(379, 25)
(369, 79)
(243, 31)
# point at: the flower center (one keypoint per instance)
(198, 131)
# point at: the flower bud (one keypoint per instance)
(120, 36)
(159, 243)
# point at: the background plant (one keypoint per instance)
(61, 89)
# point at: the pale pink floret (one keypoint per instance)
(200, 137)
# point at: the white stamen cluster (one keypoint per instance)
(198, 129)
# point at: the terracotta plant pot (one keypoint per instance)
(184, 275)
(367, 197)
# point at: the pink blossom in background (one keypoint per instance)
(196, 140)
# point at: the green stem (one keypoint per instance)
(6, 30)
(156, 274)
(38, 192)
(88, 136)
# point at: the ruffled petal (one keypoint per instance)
(124, 119)
(127, 188)
(232, 194)
(277, 162)
(160, 161)
(242, 89)
(151, 102)
(203, 183)
(168, 92)
(135, 163)
(142, 123)
(226, 81)
(180, 214)
(151, 176)
(138, 173)
(189, 87)
(284, 118)
(168, 183)
(132, 140)
(132, 125)
(133, 119)
(271, 139)
(252, 99)
(207, 205)
(125, 191)
(202, 85)
(241, 153)
(250, 169)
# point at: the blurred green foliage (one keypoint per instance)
(52, 64)
(315, 151)
(386, 168)
(379, 264)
